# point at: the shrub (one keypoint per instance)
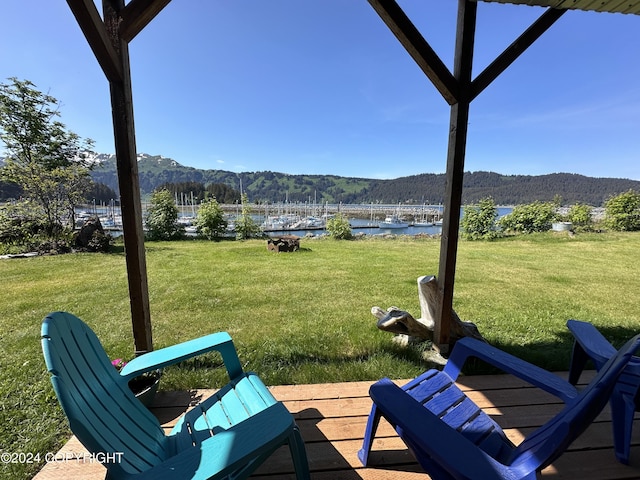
(246, 227)
(479, 221)
(210, 222)
(622, 212)
(100, 242)
(533, 217)
(23, 228)
(162, 217)
(339, 228)
(580, 217)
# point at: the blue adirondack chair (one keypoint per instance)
(590, 344)
(452, 438)
(227, 436)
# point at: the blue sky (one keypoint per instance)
(323, 87)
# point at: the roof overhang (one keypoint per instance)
(631, 7)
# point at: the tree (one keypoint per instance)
(479, 221)
(622, 212)
(246, 227)
(162, 217)
(529, 218)
(31, 133)
(210, 222)
(44, 159)
(101, 193)
(339, 227)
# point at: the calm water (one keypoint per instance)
(363, 226)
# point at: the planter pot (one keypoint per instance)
(561, 226)
(145, 387)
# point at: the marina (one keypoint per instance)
(303, 219)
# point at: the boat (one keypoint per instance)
(280, 222)
(393, 221)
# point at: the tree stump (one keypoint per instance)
(412, 330)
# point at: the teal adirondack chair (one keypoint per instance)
(227, 436)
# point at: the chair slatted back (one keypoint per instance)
(553, 438)
(442, 397)
(102, 411)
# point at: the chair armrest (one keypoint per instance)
(469, 347)
(592, 342)
(427, 435)
(164, 357)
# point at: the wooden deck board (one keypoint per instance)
(332, 419)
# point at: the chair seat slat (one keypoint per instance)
(433, 383)
(444, 401)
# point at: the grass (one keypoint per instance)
(304, 317)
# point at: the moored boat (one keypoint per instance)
(393, 221)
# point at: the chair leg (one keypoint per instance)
(579, 359)
(372, 426)
(623, 407)
(299, 455)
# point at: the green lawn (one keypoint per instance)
(304, 317)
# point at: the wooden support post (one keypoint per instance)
(458, 90)
(455, 170)
(128, 181)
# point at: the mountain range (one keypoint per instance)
(273, 187)
(426, 188)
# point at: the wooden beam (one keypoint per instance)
(463, 61)
(94, 31)
(128, 181)
(458, 90)
(137, 15)
(419, 49)
(506, 58)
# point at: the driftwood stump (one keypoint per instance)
(412, 330)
